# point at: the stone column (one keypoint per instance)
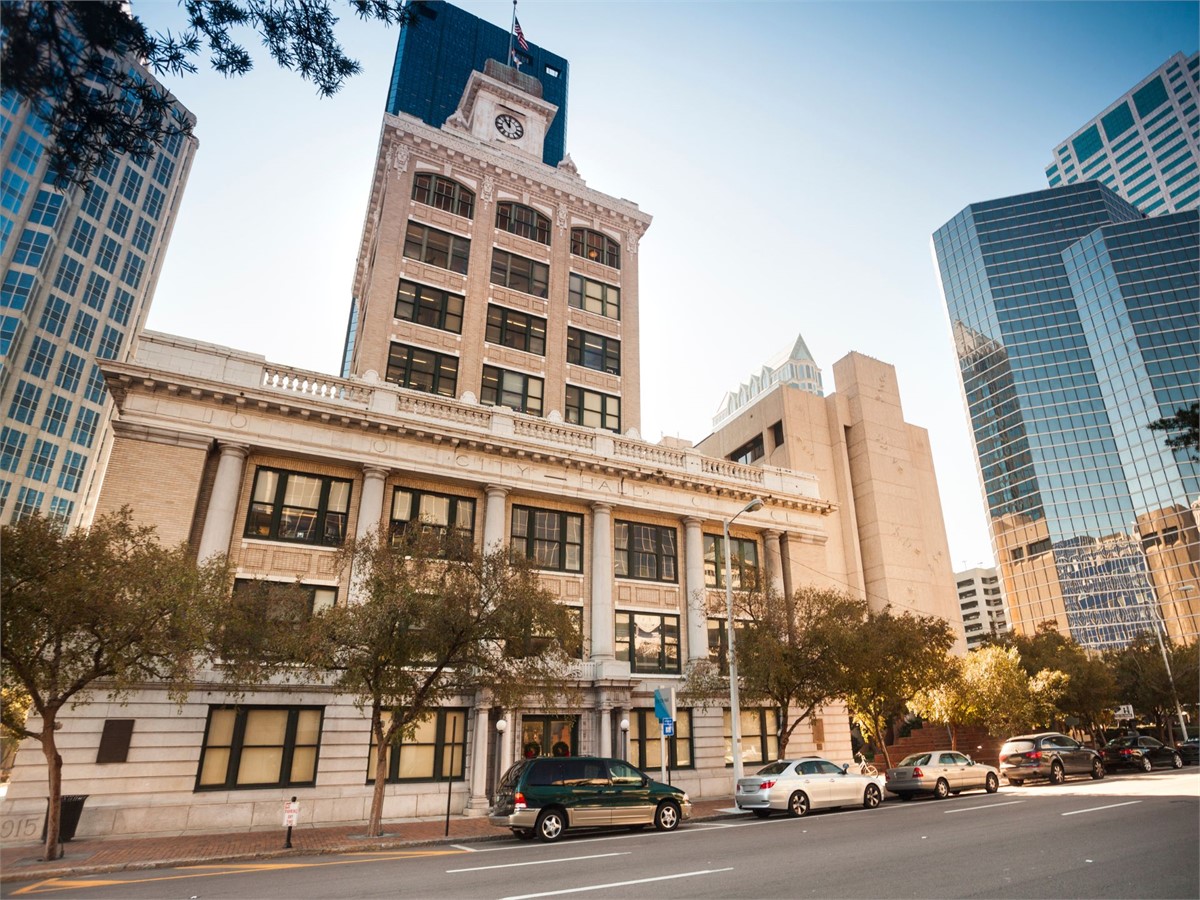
(477, 798)
(602, 582)
(495, 535)
(606, 741)
(506, 742)
(774, 561)
(370, 507)
(697, 614)
(222, 505)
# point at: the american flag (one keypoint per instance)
(520, 35)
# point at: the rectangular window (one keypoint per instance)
(106, 170)
(69, 272)
(58, 411)
(593, 351)
(423, 370)
(760, 736)
(429, 306)
(645, 740)
(516, 390)
(551, 539)
(115, 741)
(110, 343)
(315, 598)
(260, 746)
(743, 560)
(71, 472)
(83, 330)
(29, 501)
(437, 248)
(292, 506)
(10, 331)
(131, 272)
(82, 234)
(95, 389)
(518, 330)
(718, 641)
(143, 235)
(94, 199)
(153, 203)
(164, 168)
(131, 185)
(16, 290)
(41, 460)
(107, 254)
(85, 427)
(119, 217)
(434, 753)
(12, 445)
(649, 642)
(520, 274)
(594, 297)
(750, 451)
(777, 434)
(26, 153)
(46, 208)
(440, 513)
(41, 357)
(31, 248)
(13, 189)
(25, 401)
(121, 305)
(593, 409)
(95, 291)
(646, 552)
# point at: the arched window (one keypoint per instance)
(521, 220)
(444, 193)
(595, 246)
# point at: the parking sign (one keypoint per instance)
(668, 727)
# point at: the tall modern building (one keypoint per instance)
(79, 270)
(1077, 323)
(1145, 145)
(439, 49)
(981, 601)
(794, 367)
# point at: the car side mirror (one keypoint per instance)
(845, 768)
(645, 781)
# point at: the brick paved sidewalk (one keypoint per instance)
(23, 861)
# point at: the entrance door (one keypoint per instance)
(548, 736)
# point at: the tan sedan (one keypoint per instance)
(940, 773)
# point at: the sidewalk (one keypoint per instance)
(23, 861)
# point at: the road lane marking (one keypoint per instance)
(464, 848)
(538, 862)
(616, 884)
(1098, 808)
(987, 806)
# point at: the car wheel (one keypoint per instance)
(941, 790)
(871, 797)
(1145, 763)
(761, 813)
(523, 834)
(992, 784)
(1097, 770)
(666, 817)
(1057, 774)
(550, 825)
(798, 804)
(906, 796)
(1016, 782)
(1176, 761)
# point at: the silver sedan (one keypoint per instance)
(800, 785)
(940, 773)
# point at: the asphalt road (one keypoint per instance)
(1127, 836)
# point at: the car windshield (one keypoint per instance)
(775, 768)
(1016, 747)
(1123, 742)
(916, 759)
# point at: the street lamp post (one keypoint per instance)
(735, 709)
(1162, 648)
(625, 739)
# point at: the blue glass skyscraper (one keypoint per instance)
(1077, 323)
(443, 45)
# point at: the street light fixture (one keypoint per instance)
(625, 739)
(735, 709)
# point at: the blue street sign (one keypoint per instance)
(668, 727)
(661, 709)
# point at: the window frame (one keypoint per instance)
(444, 193)
(504, 328)
(430, 306)
(608, 350)
(441, 744)
(641, 736)
(495, 396)
(439, 370)
(537, 277)
(310, 590)
(623, 557)
(322, 512)
(237, 747)
(397, 527)
(575, 410)
(588, 243)
(417, 247)
(577, 287)
(527, 543)
(768, 737)
(736, 559)
(664, 665)
(537, 229)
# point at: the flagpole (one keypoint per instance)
(511, 30)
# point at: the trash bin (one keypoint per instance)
(70, 809)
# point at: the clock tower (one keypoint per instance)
(504, 105)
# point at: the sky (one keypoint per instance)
(796, 157)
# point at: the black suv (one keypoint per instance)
(543, 797)
(1047, 754)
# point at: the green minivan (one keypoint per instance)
(545, 796)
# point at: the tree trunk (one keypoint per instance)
(375, 820)
(52, 849)
(881, 731)
(953, 732)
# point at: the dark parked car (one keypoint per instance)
(1138, 752)
(545, 796)
(1049, 755)
(1189, 750)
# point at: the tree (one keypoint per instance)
(431, 619)
(106, 608)
(788, 652)
(1183, 430)
(887, 660)
(1142, 680)
(70, 60)
(1089, 693)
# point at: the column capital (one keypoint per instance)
(693, 521)
(498, 491)
(377, 472)
(601, 506)
(228, 448)
(772, 533)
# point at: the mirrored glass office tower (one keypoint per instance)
(1077, 323)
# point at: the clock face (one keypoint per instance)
(509, 126)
